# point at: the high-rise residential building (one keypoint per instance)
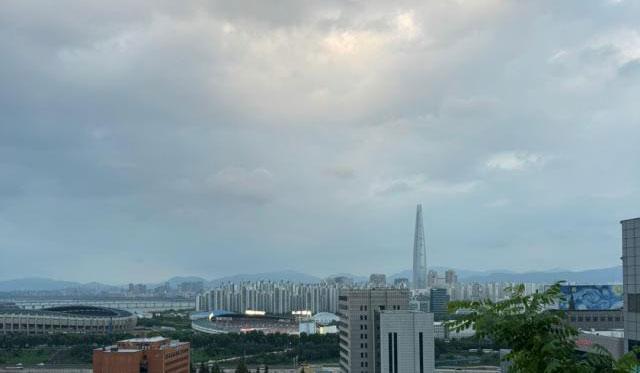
(432, 278)
(450, 277)
(272, 297)
(631, 282)
(359, 328)
(378, 280)
(438, 303)
(406, 342)
(153, 355)
(401, 282)
(419, 253)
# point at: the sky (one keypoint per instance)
(145, 139)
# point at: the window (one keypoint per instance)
(421, 353)
(395, 352)
(390, 353)
(633, 302)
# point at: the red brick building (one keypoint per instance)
(150, 355)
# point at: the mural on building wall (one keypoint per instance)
(591, 297)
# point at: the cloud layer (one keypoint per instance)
(147, 139)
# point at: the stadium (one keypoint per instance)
(65, 319)
(231, 322)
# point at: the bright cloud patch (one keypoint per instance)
(515, 161)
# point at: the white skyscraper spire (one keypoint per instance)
(419, 254)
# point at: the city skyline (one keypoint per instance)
(146, 140)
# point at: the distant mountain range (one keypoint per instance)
(48, 284)
(591, 276)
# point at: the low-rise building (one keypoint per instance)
(151, 355)
(610, 340)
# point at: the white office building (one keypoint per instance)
(406, 342)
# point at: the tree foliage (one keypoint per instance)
(538, 336)
(242, 367)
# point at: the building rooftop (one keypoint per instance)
(80, 311)
(617, 333)
(145, 340)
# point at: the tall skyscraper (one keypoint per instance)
(450, 277)
(419, 254)
(631, 282)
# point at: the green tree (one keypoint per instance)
(216, 369)
(538, 336)
(266, 369)
(242, 368)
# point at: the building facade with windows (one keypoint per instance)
(406, 342)
(359, 327)
(631, 281)
(595, 319)
(152, 355)
(439, 303)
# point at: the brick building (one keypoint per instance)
(150, 355)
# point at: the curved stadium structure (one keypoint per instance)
(65, 319)
(231, 322)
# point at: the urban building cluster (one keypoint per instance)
(276, 298)
(184, 289)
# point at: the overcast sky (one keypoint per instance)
(141, 140)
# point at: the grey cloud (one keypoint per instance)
(191, 130)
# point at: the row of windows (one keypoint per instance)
(633, 302)
(363, 317)
(49, 326)
(364, 345)
(364, 336)
(363, 327)
(594, 319)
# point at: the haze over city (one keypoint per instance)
(142, 141)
